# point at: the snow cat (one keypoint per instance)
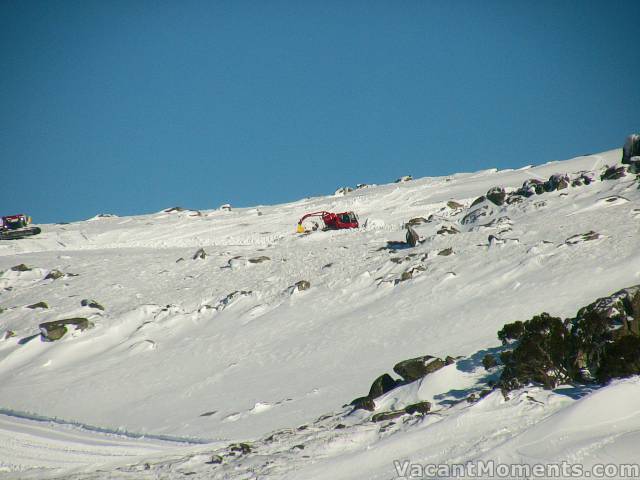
(332, 221)
(14, 227)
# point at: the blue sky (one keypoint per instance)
(132, 106)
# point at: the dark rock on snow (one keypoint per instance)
(38, 305)
(91, 304)
(416, 368)
(55, 330)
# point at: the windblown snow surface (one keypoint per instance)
(178, 368)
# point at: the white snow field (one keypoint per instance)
(218, 367)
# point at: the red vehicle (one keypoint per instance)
(332, 221)
(13, 227)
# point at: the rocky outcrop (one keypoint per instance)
(404, 178)
(416, 368)
(496, 195)
(51, 331)
(302, 285)
(613, 173)
(600, 343)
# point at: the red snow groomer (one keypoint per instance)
(13, 227)
(332, 221)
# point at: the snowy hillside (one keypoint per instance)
(203, 358)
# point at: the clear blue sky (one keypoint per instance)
(132, 106)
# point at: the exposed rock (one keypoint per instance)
(403, 179)
(634, 165)
(556, 182)
(449, 360)
(631, 147)
(613, 173)
(302, 285)
(513, 198)
(416, 221)
(582, 237)
(412, 236)
(478, 201)
(241, 448)
(475, 215)
(174, 209)
(21, 268)
(408, 274)
(38, 305)
(453, 205)
(415, 368)
(363, 403)
(421, 407)
(496, 195)
(601, 323)
(447, 230)
(181, 259)
(8, 334)
(91, 304)
(381, 385)
(54, 275)
(225, 207)
(381, 417)
(230, 298)
(55, 330)
(215, 460)
(489, 361)
(259, 259)
(446, 252)
(201, 254)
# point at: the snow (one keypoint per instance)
(223, 350)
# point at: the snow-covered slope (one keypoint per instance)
(225, 349)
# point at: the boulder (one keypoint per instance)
(416, 368)
(363, 403)
(91, 304)
(225, 207)
(200, 254)
(446, 252)
(259, 259)
(453, 205)
(631, 147)
(421, 407)
(412, 236)
(478, 201)
(21, 268)
(302, 285)
(556, 182)
(634, 165)
(55, 330)
(496, 195)
(404, 178)
(35, 306)
(381, 385)
(54, 275)
(613, 173)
